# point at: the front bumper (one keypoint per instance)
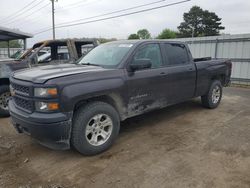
(51, 130)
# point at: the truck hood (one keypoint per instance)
(42, 74)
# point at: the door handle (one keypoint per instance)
(162, 73)
(190, 69)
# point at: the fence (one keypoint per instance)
(4, 52)
(234, 47)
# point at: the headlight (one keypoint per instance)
(45, 92)
(46, 106)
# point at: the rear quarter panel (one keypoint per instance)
(206, 72)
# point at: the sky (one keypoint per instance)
(235, 16)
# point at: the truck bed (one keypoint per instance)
(209, 69)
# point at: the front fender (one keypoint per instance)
(73, 94)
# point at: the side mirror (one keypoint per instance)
(139, 64)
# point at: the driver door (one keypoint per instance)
(145, 86)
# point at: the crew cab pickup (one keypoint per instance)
(42, 53)
(82, 104)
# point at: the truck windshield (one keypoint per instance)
(106, 55)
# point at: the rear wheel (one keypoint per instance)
(4, 98)
(213, 97)
(95, 127)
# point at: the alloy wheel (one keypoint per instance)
(98, 129)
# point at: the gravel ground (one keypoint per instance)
(181, 146)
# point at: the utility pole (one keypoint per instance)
(53, 19)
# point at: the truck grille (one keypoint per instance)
(20, 89)
(21, 93)
(23, 103)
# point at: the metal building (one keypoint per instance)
(234, 47)
(7, 34)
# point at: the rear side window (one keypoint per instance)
(175, 54)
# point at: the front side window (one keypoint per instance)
(151, 52)
(107, 55)
(176, 54)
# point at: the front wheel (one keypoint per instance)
(213, 97)
(95, 127)
(4, 98)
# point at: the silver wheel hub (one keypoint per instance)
(216, 93)
(4, 99)
(98, 129)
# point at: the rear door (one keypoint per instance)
(180, 77)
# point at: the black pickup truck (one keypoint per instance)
(82, 104)
(42, 53)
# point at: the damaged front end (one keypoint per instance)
(52, 129)
(49, 130)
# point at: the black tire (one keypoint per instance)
(207, 100)
(82, 118)
(4, 89)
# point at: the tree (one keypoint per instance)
(212, 24)
(133, 36)
(143, 34)
(13, 44)
(199, 22)
(167, 34)
(104, 40)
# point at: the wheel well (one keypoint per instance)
(220, 78)
(103, 98)
(4, 81)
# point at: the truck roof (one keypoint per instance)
(143, 41)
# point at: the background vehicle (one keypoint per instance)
(42, 53)
(46, 57)
(18, 54)
(82, 104)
